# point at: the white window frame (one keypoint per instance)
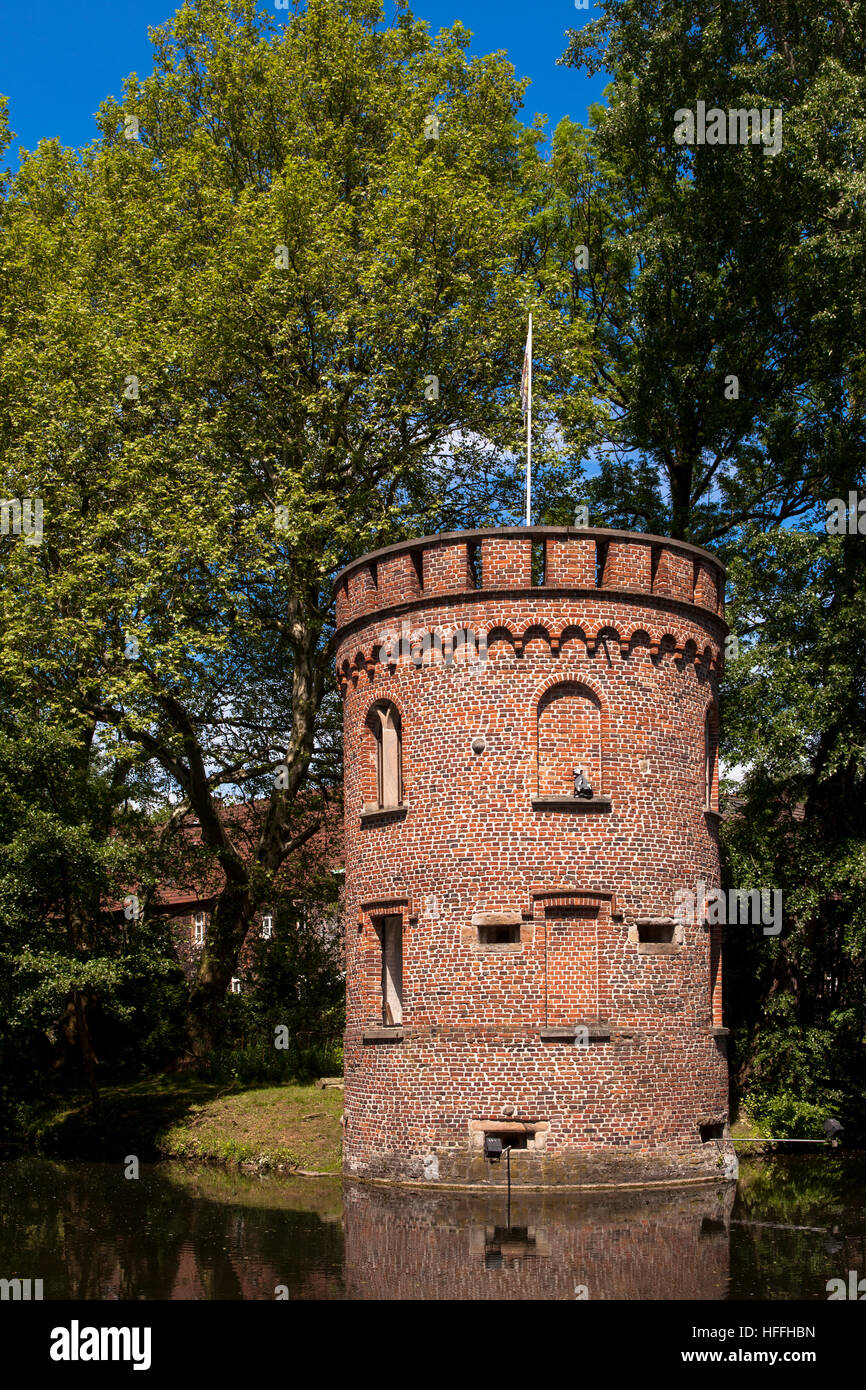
(267, 926)
(199, 926)
(236, 985)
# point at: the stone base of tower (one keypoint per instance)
(626, 1108)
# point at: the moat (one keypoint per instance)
(788, 1227)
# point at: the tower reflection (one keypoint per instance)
(670, 1243)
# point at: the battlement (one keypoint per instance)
(536, 558)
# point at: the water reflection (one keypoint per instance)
(179, 1233)
(642, 1244)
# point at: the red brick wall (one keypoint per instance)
(637, 661)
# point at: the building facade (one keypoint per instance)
(531, 747)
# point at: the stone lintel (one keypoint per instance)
(504, 917)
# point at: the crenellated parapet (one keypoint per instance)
(534, 559)
(597, 595)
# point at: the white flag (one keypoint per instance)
(526, 379)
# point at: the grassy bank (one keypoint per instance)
(287, 1128)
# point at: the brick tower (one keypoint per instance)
(530, 748)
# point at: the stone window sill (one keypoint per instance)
(571, 803)
(658, 948)
(382, 1034)
(597, 1032)
(371, 812)
(496, 948)
(720, 1032)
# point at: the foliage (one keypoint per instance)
(715, 261)
(75, 975)
(229, 393)
(794, 711)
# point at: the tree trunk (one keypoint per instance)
(246, 883)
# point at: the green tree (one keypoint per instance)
(259, 327)
(77, 971)
(717, 261)
(795, 715)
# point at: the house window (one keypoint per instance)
(390, 931)
(267, 927)
(198, 928)
(388, 737)
(236, 985)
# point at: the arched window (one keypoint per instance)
(568, 737)
(711, 760)
(384, 724)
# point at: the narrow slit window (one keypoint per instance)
(600, 558)
(711, 743)
(538, 563)
(389, 756)
(267, 926)
(391, 940)
(198, 928)
(473, 556)
(418, 565)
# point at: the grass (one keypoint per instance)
(285, 1127)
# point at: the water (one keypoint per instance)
(180, 1233)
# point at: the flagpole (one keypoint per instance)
(529, 432)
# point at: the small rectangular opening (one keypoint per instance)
(658, 933)
(709, 1132)
(655, 557)
(473, 556)
(538, 551)
(600, 558)
(511, 1139)
(499, 935)
(418, 565)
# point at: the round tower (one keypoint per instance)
(531, 819)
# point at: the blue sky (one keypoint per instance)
(59, 61)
